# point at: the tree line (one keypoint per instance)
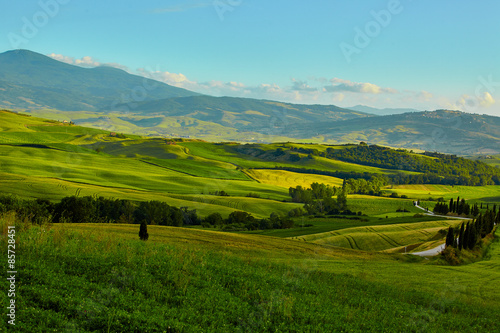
(239, 220)
(452, 169)
(433, 168)
(461, 207)
(467, 236)
(93, 209)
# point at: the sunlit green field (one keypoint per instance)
(326, 274)
(289, 179)
(384, 237)
(102, 278)
(489, 193)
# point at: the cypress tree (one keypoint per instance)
(450, 237)
(466, 236)
(466, 210)
(472, 236)
(461, 237)
(450, 207)
(143, 231)
(480, 225)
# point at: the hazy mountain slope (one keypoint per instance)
(381, 112)
(32, 80)
(244, 113)
(442, 130)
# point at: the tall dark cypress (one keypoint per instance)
(450, 237)
(472, 236)
(461, 237)
(143, 231)
(450, 206)
(466, 236)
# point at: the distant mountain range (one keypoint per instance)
(381, 112)
(441, 130)
(113, 99)
(245, 114)
(30, 80)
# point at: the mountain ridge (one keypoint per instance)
(49, 83)
(110, 98)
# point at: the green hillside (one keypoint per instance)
(445, 131)
(30, 80)
(102, 278)
(52, 152)
(325, 271)
(245, 114)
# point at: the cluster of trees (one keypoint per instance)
(442, 169)
(459, 207)
(103, 210)
(452, 170)
(239, 220)
(318, 199)
(37, 211)
(467, 236)
(98, 210)
(363, 186)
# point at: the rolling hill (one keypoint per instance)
(441, 130)
(245, 114)
(102, 97)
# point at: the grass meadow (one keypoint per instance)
(490, 193)
(103, 278)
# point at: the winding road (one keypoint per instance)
(437, 250)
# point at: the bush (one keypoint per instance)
(451, 256)
(214, 219)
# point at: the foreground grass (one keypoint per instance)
(89, 278)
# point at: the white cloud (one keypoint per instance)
(341, 85)
(298, 85)
(486, 100)
(313, 90)
(424, 96)
(86, 61)
(472, 103)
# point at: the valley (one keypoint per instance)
(259, 279)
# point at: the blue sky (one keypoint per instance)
(412, 54)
